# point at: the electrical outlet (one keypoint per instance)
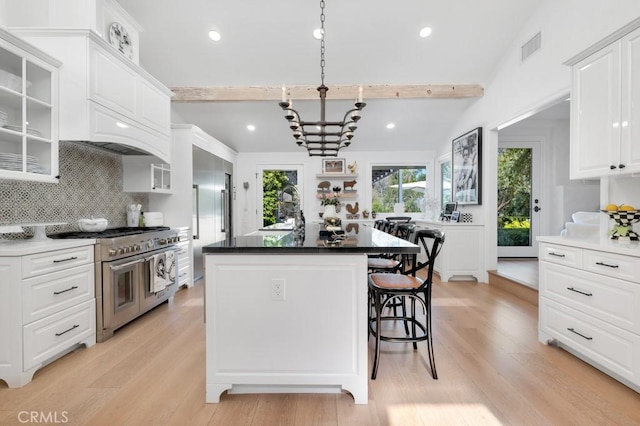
(277, 289)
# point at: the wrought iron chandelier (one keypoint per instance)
(322, 138)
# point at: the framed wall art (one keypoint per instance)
(333, 165)
(467, 168)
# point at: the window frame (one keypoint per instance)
(428, 166)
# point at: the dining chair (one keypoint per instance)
(386, 289)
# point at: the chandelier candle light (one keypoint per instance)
(322, 138)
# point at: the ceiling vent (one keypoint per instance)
(531, 46)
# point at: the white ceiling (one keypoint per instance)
(269, 43)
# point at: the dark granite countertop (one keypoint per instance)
(361, 239)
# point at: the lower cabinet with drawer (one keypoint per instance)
(590, 305)
(185, 259)
(47, 305)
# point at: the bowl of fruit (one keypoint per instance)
(624, 217)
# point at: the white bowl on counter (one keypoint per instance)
(93, 225)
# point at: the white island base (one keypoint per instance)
(286, 324)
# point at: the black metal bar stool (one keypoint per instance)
(386, 289)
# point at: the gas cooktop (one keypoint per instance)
(108, 233)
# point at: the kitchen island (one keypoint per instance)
(290, 315)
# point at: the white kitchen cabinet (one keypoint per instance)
(588, 304)
(605, 120)
(105, 97)
(462, 254)
(28, 112)
(141, 173)
(47, 304)
(185, 258)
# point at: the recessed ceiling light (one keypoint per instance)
(317, 33)
(425, 32)
(214, 35)
(251, 127)
(391, 126)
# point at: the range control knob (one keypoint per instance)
(150, 244)
(113, 252)
(162, 241)
(136, 247)
(120, 250)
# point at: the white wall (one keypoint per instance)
(246, 200)
(568, 27)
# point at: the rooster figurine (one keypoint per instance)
(353, 167)
(353, 209)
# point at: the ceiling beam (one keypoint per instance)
(350, 92)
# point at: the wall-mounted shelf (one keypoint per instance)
(348, 194)
(335, 176)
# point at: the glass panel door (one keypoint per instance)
(272, 179)
(518, 199)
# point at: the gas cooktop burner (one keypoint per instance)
(108, 233)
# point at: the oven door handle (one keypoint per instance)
(124, 265)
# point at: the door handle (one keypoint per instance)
(124, 265)
(536, 209)
(223, 218)
(196, 201)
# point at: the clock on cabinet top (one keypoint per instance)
(120, 39)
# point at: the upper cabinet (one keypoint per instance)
(605, 109)
(142, 174)
(28, 111)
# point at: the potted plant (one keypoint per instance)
(331, 205)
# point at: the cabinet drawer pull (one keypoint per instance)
(578, 291)
(64, 291)
(606, 264)
(66, 260)
(66, 331)
(556, 254)
(579, 334)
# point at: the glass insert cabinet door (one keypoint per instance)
(28, 114)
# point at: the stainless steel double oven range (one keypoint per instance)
(125, 268)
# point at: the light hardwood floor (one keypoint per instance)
(492, 370)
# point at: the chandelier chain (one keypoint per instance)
(322, 61)
(322, 138)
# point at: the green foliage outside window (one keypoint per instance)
(385, 192)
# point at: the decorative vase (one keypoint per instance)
(330, 211)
